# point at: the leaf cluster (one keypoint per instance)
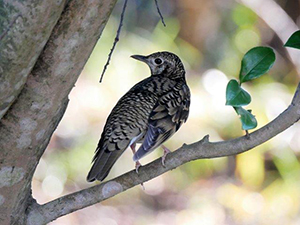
(255, 63)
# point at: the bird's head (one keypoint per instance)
(163, 63)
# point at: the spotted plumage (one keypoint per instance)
(149, 113)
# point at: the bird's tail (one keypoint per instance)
(102, 165)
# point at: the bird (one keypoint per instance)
(149, 114)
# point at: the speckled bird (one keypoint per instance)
(149, 113)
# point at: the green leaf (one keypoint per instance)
(248, 120)
(294, 40)
(235, 95)
(256, 62)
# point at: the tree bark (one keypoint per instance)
(27, 127)
(25, 27)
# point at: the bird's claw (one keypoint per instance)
(163, 159)
(137, 166)
(247, 134)
(166, 152)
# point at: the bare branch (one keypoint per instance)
(198, 150)
(161, 16)
(115, 41)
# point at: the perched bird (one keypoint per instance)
(149, 113)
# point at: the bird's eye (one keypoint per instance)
(158, 61)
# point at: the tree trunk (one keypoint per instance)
(25, 28)
(26, 128)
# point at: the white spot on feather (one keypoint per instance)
(133, 140)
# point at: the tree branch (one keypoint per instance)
(198, 150)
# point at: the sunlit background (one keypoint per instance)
(261, 186)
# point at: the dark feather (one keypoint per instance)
(167, 116)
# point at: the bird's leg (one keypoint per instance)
(247, 134)
(137, 166)
(137, 163)
(166, 152)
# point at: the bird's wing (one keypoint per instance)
(169, 113)
(106, 154)
(127, 122)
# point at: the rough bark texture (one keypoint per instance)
(25, 27)
(26, 128)
(198, 150)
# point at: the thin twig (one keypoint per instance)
(115, 41)
(161, 16)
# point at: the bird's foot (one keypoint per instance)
(166, 152)
(247, 135)
(142, 184)
(137, 163)
(133, 148)
(137, 166)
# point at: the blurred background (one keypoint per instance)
(258, 187)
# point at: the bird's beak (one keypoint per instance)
(140, 58)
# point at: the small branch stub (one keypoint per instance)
(205, 139)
